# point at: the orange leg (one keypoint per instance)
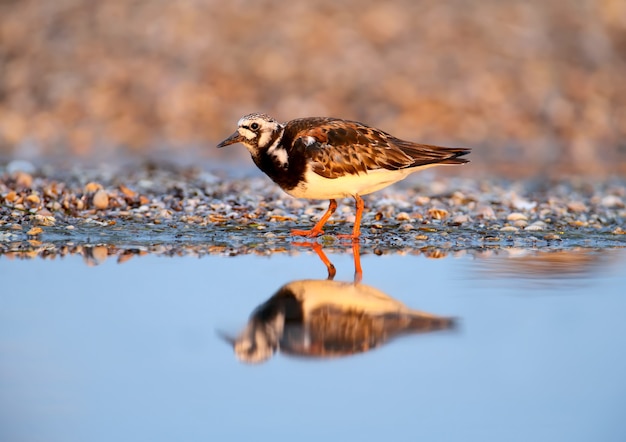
(317, 248)
(329, 265)
(358, 271)
(356, 231)
(317, 229)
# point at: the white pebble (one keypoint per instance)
(612, 201)
(516, 216)
(485, 212)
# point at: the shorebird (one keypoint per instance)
(331, 158)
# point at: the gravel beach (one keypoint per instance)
(168, 211)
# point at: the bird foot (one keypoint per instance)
(308, 233)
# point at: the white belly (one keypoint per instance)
(318, 187)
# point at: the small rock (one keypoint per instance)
(35, 231)
(612, 201)
(33, 198)
(92, 187)
(578, 223)
(403, 216)
(99, 254)
(127, 192)
(438, 213)
(23, 179)
(492, 238)
(45, 220)
(536, 226)
(485, 212)
(459, 220)
(516, 216)
(509, 229)
(11, 197)
(523, 204)
(101, 200)
(422, 200)
(576, 206)
(552, 237)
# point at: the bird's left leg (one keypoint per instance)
(317, 229)
(356, 254)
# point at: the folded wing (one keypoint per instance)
(339, 147)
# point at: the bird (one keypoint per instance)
(326, 319)
(330, 158)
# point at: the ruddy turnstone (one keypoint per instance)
(325, 319)
(330, 158)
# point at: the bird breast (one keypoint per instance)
(316, 186)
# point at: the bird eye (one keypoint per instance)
(254, 126)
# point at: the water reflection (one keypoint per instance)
(326, 318)
(551, 266)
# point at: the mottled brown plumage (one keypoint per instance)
(348, 147)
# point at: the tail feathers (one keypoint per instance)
(456, 160)
(425, 154)
(421, 323)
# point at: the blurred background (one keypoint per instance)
(534, 87)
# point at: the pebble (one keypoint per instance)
(422, 200)
(458, 220)
(101, 200)
(403, 216)
(35, 231)
(485, 212)
(516, 216)
(439, 214)
(33, 198)
(92, 187)
(552, 237)
(577, 206)
(536, 226)
(612, 201)
(23, 179)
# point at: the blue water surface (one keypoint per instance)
(128, 352)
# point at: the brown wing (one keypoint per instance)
(337, 147)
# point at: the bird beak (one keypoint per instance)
(228, 338)
(233, 139)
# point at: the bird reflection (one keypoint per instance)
(327, 318)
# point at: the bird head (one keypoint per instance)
(259, 340)
(256, 132)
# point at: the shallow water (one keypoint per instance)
(135, 351)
